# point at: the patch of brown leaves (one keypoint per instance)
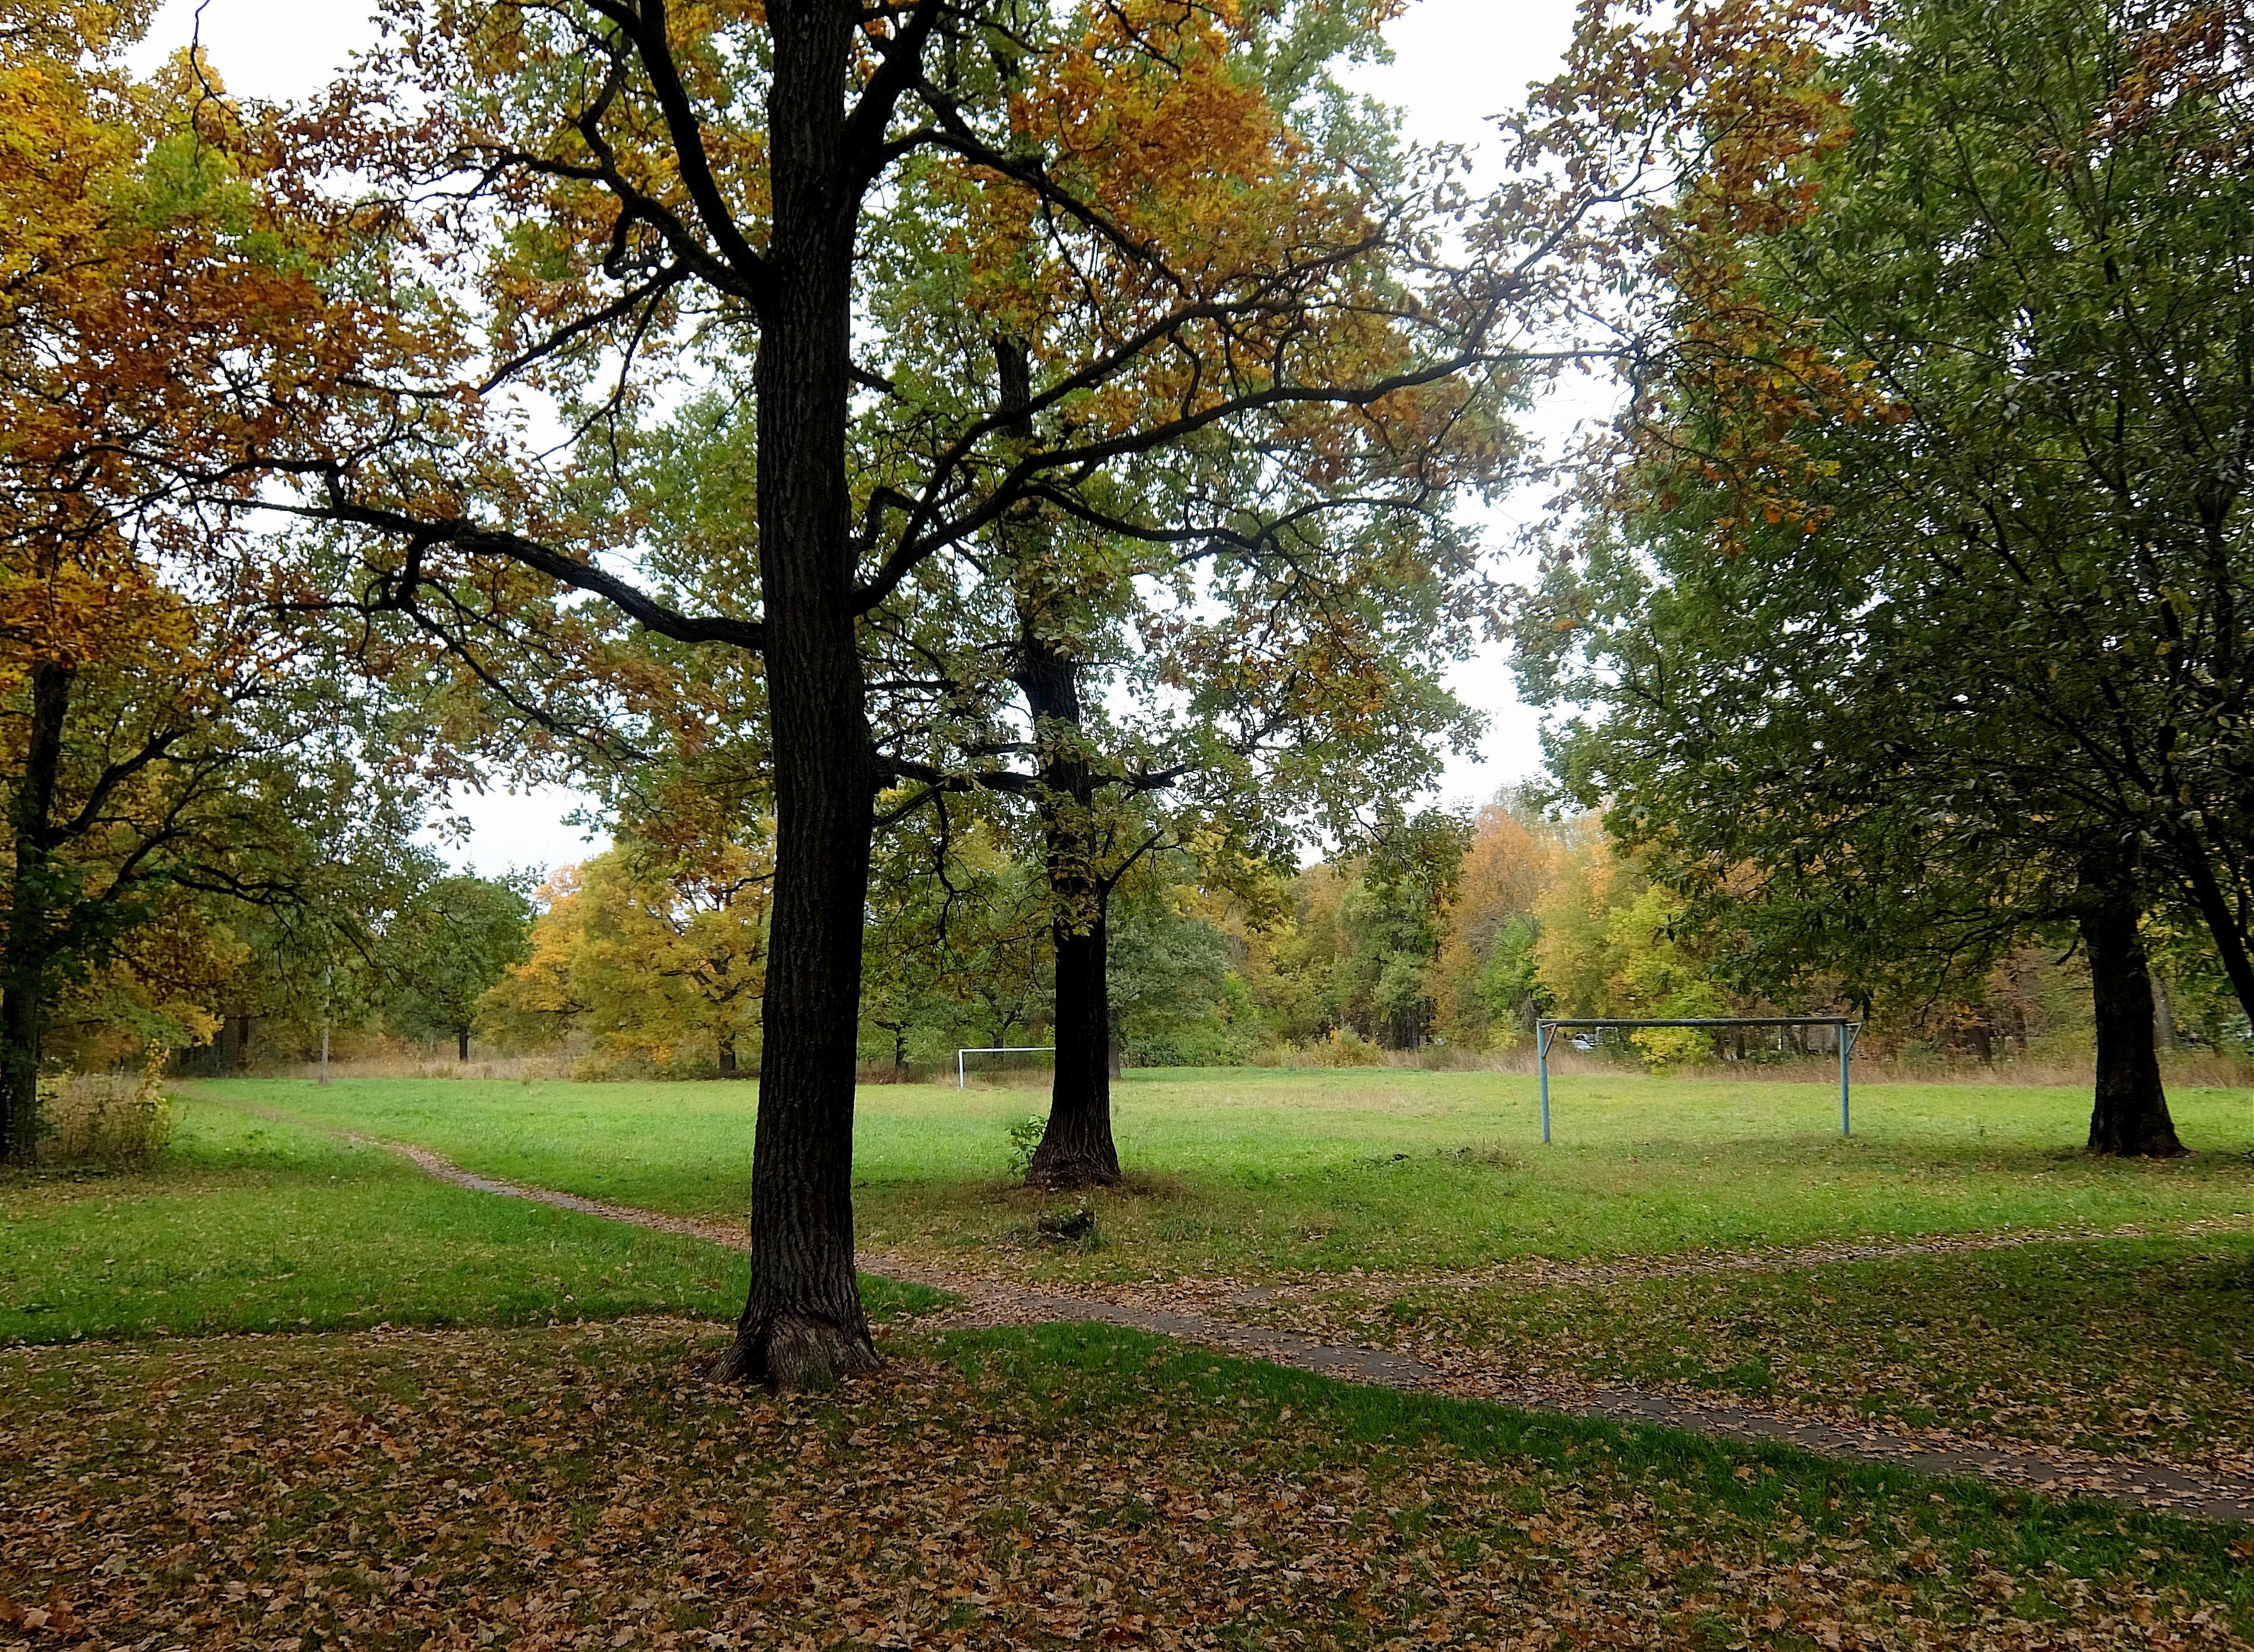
(581, 1487)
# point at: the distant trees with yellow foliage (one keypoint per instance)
(643, 962)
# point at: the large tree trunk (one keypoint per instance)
(1076, 1150)
(25, 960)
(2130, 1115)
(727, 1051)
(461, 1044)
(803, 1323)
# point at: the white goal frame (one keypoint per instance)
(963, 1078)
(1848, 1030)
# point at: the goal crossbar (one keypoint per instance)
(1848, 1027)
(963, 1079)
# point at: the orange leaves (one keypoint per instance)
(55, 1618)
(580, 1488)
(1199, 209)
(655, 962)
(1716, 131)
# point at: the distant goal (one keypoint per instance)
(1845, 1031)
(1010, 1064)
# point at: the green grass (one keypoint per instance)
(245, 1225)
(1071, 1484)
(1260, 1172)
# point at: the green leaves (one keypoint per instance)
(1992, 610)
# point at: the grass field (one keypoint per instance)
(246, 1225)
(1262, 1172)
(482, 1420)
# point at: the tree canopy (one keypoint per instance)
(1912, 619)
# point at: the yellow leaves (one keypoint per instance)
(649, 965)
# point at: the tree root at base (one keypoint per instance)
(795, 1353)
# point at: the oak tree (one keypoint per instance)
(609, 195)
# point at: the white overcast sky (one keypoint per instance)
(1456, 63)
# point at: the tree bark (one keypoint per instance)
(2223, 923)
(461, 1044)
(1980, 1042)
(2129, 1118)
(727, 1051)
(802, 1324)
(2164, 1013)
(24, 966)
(1076, 1150)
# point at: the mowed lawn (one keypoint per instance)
(246, 1225)
(1264, 1172)
(514, 1470)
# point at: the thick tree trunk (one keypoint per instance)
(2130, 1118)
(461, 1044)
(1977, 1041)
(1076, 1150)
(24, 961)
(2164, 1013)
(727, 1046)
(802, 1324)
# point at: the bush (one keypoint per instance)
(1213, 1044)
(1345, 1047)
(1025, 1140)
(105, 1118)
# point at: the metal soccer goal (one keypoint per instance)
(962, 1075)
(1848, 1030)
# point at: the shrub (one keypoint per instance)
(1025, 1140)
(1345, 1047)
(106, 1118)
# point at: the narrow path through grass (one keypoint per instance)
(2224, 1493)
(1256, 1172)
(246, 1224)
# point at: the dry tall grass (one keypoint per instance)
(2183, 1069)
(526, 1069)
(105, 1118)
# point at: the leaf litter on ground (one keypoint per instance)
(585, 1486)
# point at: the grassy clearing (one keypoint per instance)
(1260, 1172)
(1007, 1489)
(248, 1226)
(2111, 1346)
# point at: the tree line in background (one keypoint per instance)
(977, 490)
(1444, 944)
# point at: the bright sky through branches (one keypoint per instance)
(1457, 62)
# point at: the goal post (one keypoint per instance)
(1848, 1029)
(962, 1073)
